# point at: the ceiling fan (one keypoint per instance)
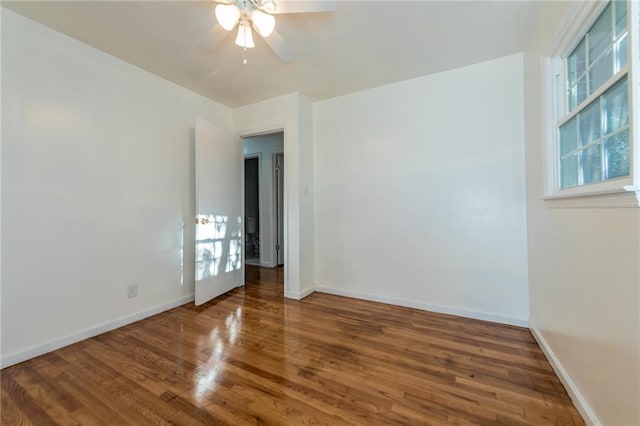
(258, 14)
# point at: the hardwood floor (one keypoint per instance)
(253, 357)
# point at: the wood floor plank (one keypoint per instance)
(57, 404)
(11, 413)
(253, 357)
(34, 412)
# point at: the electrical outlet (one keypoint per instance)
(132, 290)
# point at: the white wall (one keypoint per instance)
(420, 193)
(584, 276)
(291, 113)
(266, 145)
(97, 179)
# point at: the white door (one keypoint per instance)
(219, 229)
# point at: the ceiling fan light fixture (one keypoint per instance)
(245, 36)
(227, 15)
(268, 5)
(263, 22)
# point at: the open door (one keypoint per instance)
(219, 229)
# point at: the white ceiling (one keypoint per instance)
(363, 44)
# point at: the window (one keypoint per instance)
(594, 138)
(591, 139)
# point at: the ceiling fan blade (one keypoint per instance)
(277, 43)
(214, 36)
(305, 6)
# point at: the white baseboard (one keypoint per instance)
(299, 295)
(305, 293)
(86, 333)
(579, 401)
(425, 306)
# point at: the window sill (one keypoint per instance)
(625, 197)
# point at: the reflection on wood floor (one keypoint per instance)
(252, 357)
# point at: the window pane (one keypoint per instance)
(578, 93)
(621, 58)
(569, 171)
(582, 89)
(577, 62)
(615, 106)
(621, 16)
(617, 155)
(569, 136)
(590, 123)
(600, 35)
(601, 71)
(572, 100)
(592, 164)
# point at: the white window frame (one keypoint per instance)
(619, 192)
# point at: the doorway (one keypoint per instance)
(264, 199)
(252, 209)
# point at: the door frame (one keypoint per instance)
(274, 197)
(267, 130)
